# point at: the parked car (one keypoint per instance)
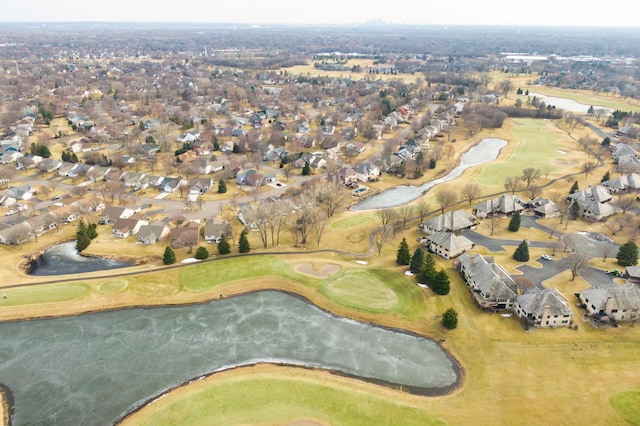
(546, 257)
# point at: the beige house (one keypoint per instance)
(492, 287)
(621, 303)
(447, 244)
(543, 308)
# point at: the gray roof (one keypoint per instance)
(450, 221)
(624, 297)
(450, 241)
(535, 303)
(489, 278)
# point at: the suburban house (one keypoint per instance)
(112, 213)
(15, 194)
(43, 223)
(491, 286)
(447, 244)
(620, 303)
(367, 171)
(171, 184)
(67, 213)
(625, 183)
(214, 229)
(122, 228)
(544, 207)
(348, 176)
(200, 185)
(186, 235)
(543, 308)
(89, 205)
(153, 232)
(16, 234)
(505, 205)
(595, 202)
(450, 222)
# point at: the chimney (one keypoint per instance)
(609, 305)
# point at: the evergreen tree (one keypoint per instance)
(223, 245)
(432, 163)
(440, 284)
(514, 223)
(574, 211)
(428, 271)
(606, 141)
(243, 243)
(606, 177)
(222, 187)
(169, 256)
(417, 261)
(216, 145)
(82, 237)
(306, 170)
(574, 187)
(450, 319)
(522, 252)
(628, 254)
(202, 253)
(403, 256)
(92, 230)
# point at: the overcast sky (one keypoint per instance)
(428, 12)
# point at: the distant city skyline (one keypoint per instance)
(460, 12)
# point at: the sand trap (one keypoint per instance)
(324, 272)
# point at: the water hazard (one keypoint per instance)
(96, 368)
(64, 259)
(485, 151)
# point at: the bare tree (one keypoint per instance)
(405, 213)
(626, 201)
(533, 192)
(332, 196)
(511, 183)
(606, 251)
(493, 222)
(530, 174)
(446, 198)
(470, 191)
(524, 283)
(575, 262)
(588, 167)
(386, 216)
(322, 220)
(381, 238)
(422, 207)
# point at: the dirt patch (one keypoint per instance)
(325, 271)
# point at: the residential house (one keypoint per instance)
(543, 308)
(10, 153)
(200, 185)
(632, 274)
(544, 207)
(367, 172)
(595, 202)
(618, 303)
(16, 234)
(122, 228)
(354, 148)
(505, 205)
(447, 244)
(213, 230)
(625, 183)
(450, 222)
(67, 213)
(89, 204)
(348, 176)
(43, 223)
(307, 141)
(492, 287)
(186, 235)
(112, 213)
(14, 194)
(48, 165)
(171, 184)
(153, 232)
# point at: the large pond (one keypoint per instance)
(64, 259)
(485, 151)
(96, 368)
(568, 104)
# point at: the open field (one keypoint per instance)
(310, 70)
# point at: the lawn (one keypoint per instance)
(627, 404)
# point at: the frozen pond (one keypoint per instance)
(567, 104)
(96, 368)
(485, 151)
(64, 259)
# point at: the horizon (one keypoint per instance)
(500, 13)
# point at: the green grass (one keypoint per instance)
(113, 286)
(267, 400)
(208, 275)
(376, 291)
(538, 151)
(45, 294)
(353, 221)
(627, 405)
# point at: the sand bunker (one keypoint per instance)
(324, 272)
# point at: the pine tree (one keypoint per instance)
(606, 141)
(432, 163)
(82, 237)
(202, 253)
(306, 170)
(92, 231)
(574, 210)
(243, 243)
(440, 284)
(514, 223)
(403, 256)
(450, 319)
(223, 245)
(574, 187)
(222, 187)
(606, 177)
(428, 271)
(628, 254)
(417, 261)
(169, 256)
(216, 145)
(522, 252)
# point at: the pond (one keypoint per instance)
(485, 151)
(64, 259)
(96, 368)
(568, 104)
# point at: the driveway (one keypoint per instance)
(550, 268)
